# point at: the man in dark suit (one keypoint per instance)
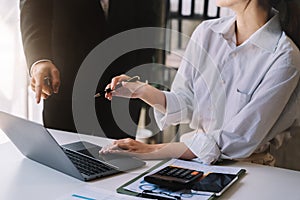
(58, 35)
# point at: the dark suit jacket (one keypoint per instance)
(65, 31)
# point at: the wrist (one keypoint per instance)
(144, 90)
(34, 65)
(154, 97)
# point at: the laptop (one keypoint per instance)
(80, 159)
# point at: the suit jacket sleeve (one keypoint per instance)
(35, 22)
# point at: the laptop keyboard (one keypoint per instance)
(87, 165)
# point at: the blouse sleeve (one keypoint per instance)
(179, 101)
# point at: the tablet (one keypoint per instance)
(215, 183)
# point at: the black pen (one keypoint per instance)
(133, 79)
(153, 195)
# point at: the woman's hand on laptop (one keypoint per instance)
(132, 147)
(141, 150)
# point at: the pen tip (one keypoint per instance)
(97, 95)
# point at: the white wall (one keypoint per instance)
(13, 76)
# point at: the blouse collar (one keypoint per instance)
(267, 37)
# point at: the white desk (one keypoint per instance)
(21, 178)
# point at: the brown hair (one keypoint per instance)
(289, 13)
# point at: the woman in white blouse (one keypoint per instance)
(236, 87)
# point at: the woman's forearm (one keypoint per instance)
(154, 97)
(169, 150)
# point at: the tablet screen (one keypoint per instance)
(215, 182)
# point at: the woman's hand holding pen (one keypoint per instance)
(129, 89)
(136, 89)
(45, 80)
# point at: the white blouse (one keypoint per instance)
(237, 98)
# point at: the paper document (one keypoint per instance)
(140, 186)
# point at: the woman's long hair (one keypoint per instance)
(289, 11)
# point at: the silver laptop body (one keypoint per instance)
(36, 143)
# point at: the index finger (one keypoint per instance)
(55, 80)
(39, 83)
(117, 80)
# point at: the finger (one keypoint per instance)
(108, 95)
(38, 87)
(109, 149)
(114, 148)
(121, 141)
(105, 148)
(55, 75)
(124, 153)
(120, 152)
(107, 88)
(116, 80)
(47, 88)
(124, 146)
(44, 95)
